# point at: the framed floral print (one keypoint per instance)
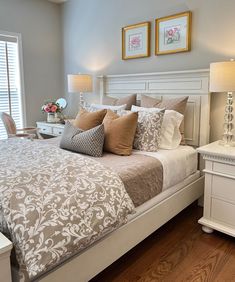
(136, 41)
(173, 34)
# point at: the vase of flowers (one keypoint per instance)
(52, 109)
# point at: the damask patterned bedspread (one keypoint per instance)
(54, 203)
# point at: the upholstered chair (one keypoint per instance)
(12, 131)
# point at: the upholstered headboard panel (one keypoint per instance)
(164, 85)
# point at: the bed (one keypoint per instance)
(177, 194)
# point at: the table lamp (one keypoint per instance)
(80, 83)
(222, 79)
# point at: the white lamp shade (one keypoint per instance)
(222, 76)
(79, 83)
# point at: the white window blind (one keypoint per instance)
(10, 90)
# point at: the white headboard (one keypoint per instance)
(164, 85)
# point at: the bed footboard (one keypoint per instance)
(5, 251)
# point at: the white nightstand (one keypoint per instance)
(219, 195)
(51, 129)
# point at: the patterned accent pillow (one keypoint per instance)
(89, 142)
(148, 132)
(170, 133)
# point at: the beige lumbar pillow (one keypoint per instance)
(86, 120)
(119, 132)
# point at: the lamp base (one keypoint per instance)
(226, 144)
(228, 137)
(81, 100)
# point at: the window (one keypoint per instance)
(10, 78)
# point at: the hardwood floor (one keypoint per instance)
(178, 251)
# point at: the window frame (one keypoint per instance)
(21, 71)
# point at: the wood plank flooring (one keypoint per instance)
(178, 251)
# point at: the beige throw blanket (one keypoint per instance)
(142, 175)
(54, 203)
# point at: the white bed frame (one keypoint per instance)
(195, 84)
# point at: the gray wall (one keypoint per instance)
(92, 40)
(39, 22)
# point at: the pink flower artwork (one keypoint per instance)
(135, 42)
(172, 35)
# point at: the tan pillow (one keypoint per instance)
(119, 132)
(86, 120)
(176, 104)
(149, 102)
(128, 100)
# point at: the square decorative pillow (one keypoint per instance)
(148, 133)
(89, 142)
(149, 102)
(86, 120)
(128, 100)
(170, 132)
(119, 132)
(175, 104)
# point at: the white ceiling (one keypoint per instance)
(57, 1)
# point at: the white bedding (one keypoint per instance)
(177, 164)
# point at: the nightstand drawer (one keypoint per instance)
(223, 211)
(57, 131)
(223, 187)
(224, 168)
(45, 129)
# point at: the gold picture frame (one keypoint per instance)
(136, 41)
(173, 33)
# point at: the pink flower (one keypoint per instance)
(53, 108)
(170, 32)
(135, 41)
(47, 109)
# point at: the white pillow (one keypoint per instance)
(107, 107)
(170, 132)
